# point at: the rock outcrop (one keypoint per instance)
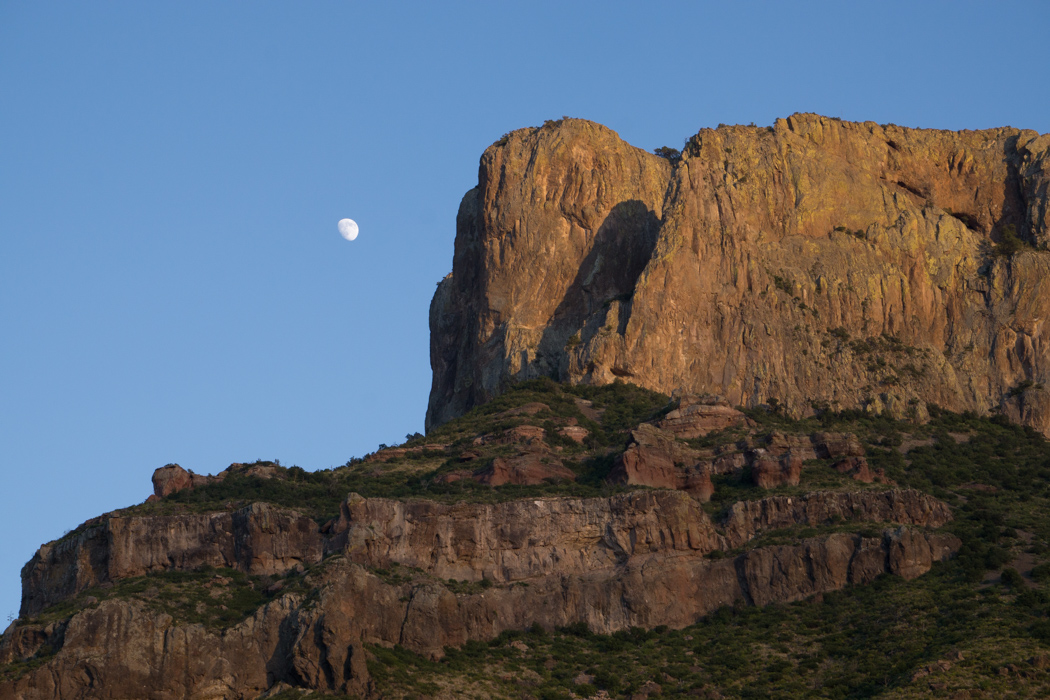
(122, 649)
(748, 519)
(522, 540)
(257, 539)
(501, 542)
(815, 262)
(637, 559)
(525, 469)
(654, 458)
(769, 472)
(171, 478)
(696, 416)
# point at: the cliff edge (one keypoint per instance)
(816, 262)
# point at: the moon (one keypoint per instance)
(348, 229)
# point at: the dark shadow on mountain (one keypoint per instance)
(622, 247)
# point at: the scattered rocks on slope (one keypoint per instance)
(655, 457)
(391, 453)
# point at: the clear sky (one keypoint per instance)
(172, 284)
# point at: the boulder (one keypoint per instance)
(857, 467)
(699, 415)
(768, 472)
(526, 469)
(697, 483)
(169, 479)
(911, 553)
(642, 465)
(172, 478)
(778, 443)
(575, 433)
(655, 458)
(728, 463)
(835, 445)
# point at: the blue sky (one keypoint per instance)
(172, 285)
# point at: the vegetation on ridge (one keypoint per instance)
(976, 626)
(614, 410)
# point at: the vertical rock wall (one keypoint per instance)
(815, 261)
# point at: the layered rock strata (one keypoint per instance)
(631, 560)
(815, 262)
(696, 416)
(503, 542)
(257, 539)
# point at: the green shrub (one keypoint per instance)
(671, 154)
(1010, 243)
(1011, 577)
(1041, 573)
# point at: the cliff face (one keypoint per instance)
(258, 539)
(636, 559)
(814, 262)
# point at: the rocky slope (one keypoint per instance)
(266, 580)
(198, 593)
(815, 262)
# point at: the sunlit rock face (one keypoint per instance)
(813, 262)
(635, 559)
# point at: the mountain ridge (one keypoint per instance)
(793, 449)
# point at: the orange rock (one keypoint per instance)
(700, 415)
(169, 479)
(850, 243)
(526, 470)
(574, 433)
(768, 473)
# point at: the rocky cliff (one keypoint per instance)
(257, 539)
(635, 560)
(814, 262)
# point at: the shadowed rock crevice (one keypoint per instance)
(598, 302)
